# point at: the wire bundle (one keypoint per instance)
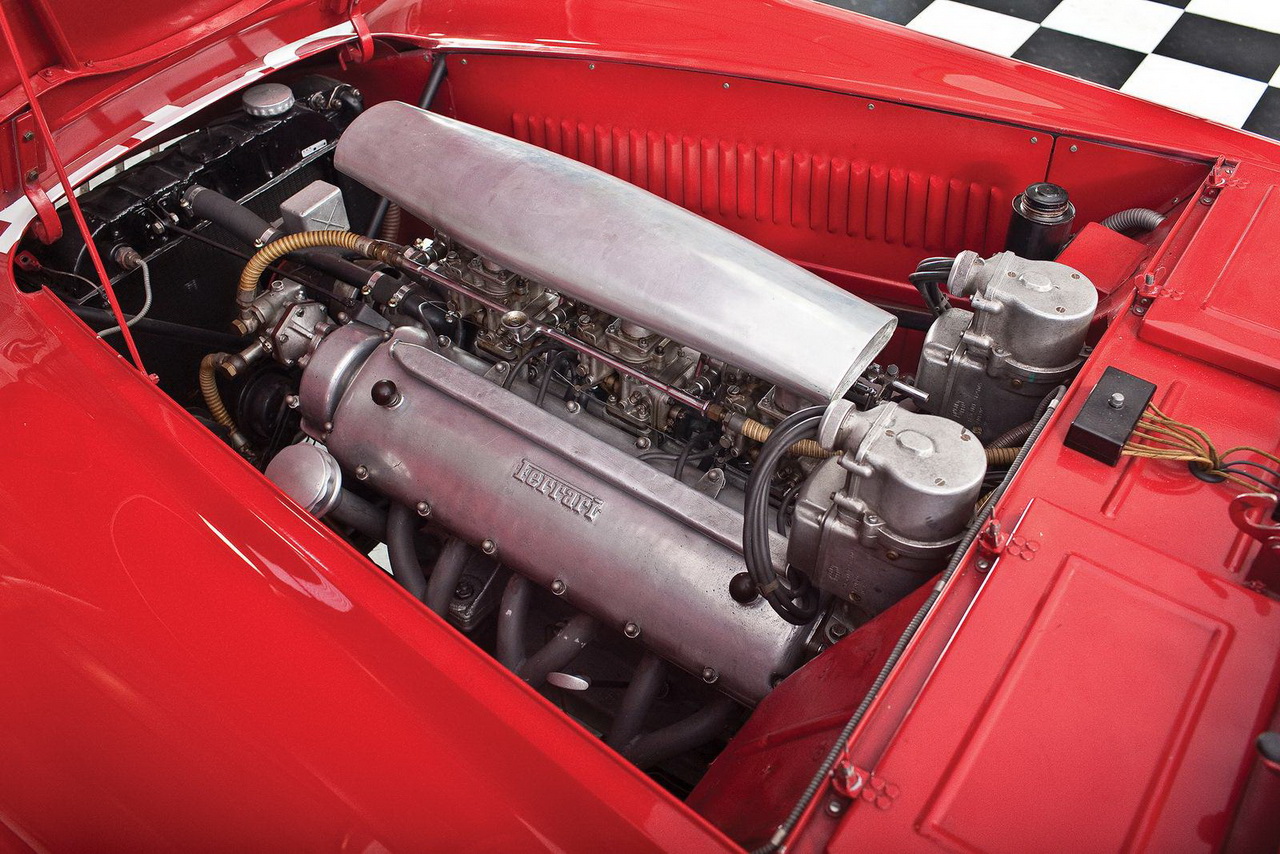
(790, 594)
(1159, 437)
(928, 278)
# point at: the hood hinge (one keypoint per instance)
(363, 49)
(29, 159)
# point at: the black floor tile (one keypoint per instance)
(1030, 10)
(897, 11)
(1080, 57)
(1181, 4)
(1265, 118)
(1224, 46)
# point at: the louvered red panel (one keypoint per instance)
(827, 192)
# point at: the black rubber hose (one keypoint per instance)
(513, 612)
(163, 328)
(1144, 219)
(553, 364)
(429, 91)
(642, 692)
(559, 651)
(402, 530)
(445, 574)
(253, 229)
(682, 736)
(354, 512)
(518, 365)
(794, 601)
(838, 747)
(683, 458)
(230, 214)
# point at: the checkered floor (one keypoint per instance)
(1219, 59)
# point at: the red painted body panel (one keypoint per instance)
(193, 661)
(1121, 667)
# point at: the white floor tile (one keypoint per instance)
(380, 556)
(1258, 14)
(1195, 89)
(969, 25)
(1135, 24)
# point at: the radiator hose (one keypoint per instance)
(213, 398)
(277, 249)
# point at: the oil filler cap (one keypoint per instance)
(267, 99)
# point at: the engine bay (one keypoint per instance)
(649, 457)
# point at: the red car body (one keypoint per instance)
(190, 661)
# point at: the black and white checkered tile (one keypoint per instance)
(1219, 59)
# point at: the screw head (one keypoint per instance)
(488, 546)
(1116, 401)
(631, 630)
(502, 367)
(572, 406)
(423, 508)
(558, 587)
(362, 472)
(292, 401)
(726, 85)
(709, 675)
(34, 174)
(835, 806)
(27, 136)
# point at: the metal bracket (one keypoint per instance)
(859, 784)
(1254, 514)
(990, 544)
(29, 159)
(363, 49)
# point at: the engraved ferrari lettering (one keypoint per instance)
(565, 494)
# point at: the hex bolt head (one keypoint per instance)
(423, 508)
(1116, 401)
(488, 546)
(573, 406)
(558, 587)
(631, 630)
(643, 443)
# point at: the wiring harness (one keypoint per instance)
(1159, 437)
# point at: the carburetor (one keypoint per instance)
(872, 523)
(989, 368)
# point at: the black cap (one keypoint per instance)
(1045, 197)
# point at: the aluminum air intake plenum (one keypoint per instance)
(618, 248)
